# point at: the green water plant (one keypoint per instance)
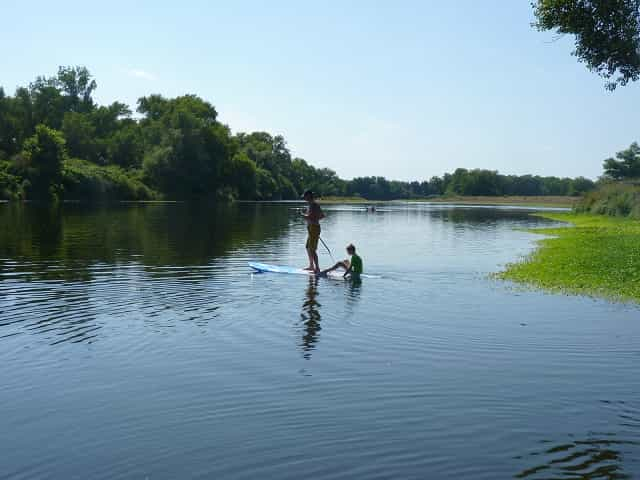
(595, 255)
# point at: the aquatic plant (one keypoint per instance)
(597, 256)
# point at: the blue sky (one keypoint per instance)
(404, 89)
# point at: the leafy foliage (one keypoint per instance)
(83, 180)
(627, 166)
(607, 34)
(190, 149)
(465, 182)
(42, 156)
(11, 186)
(178, 149)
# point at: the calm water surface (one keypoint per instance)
(136, 344)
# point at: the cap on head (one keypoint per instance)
(307, 193)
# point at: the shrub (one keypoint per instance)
(11, 186)
(613, 199)
(83, 180)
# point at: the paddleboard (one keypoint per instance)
(265, 268)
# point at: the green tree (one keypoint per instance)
(244, 176)
(190, 149)
(267, 187)
(627, 166)
(21, 119)
(77, 85)
(607, 34)
(48, 105)
(107, 120)
(43, 155)
(80, 136)
(270, 153)
(580, 186)
(125, 147)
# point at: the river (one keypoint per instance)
(135, 343)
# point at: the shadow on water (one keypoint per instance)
(66, 270)
(597, 455)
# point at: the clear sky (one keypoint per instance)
(404, 89)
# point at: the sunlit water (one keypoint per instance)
(135, 343)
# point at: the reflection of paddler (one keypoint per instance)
(311, 317)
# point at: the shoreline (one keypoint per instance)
(515, 201)
(593, 255)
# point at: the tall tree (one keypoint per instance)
(627, 166)
(189, 149)
(43, 154)
(77, 85)
(607, 34)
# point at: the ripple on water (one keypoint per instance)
(613, 454)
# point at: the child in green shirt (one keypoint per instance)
(352, 266)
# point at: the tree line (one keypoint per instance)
(56, 142)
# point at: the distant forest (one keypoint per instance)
(57, 143)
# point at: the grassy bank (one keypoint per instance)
(597, 256)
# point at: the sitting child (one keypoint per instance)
(352, 266)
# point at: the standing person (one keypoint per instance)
(312, 215)
(353, 265)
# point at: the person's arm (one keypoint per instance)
(348, 270)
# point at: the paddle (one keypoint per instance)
(325, 246)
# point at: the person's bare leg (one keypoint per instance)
(310, 255)
(335, 267)
(316, 268)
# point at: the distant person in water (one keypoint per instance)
(313, 214)
(353, 265)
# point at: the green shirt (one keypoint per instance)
(356, 264)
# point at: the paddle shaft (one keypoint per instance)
(325, 246)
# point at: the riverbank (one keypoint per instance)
(595, 256)
(516, 201)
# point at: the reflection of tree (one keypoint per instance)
(310, 316)
(74, 238)
(91, 249)
(580, 460)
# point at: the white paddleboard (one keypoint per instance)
(265, 267)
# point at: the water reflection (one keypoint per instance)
(353, 292)
(66, 271)
(580, 459)
(310, 317)
(598, 455)
(70, 242)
